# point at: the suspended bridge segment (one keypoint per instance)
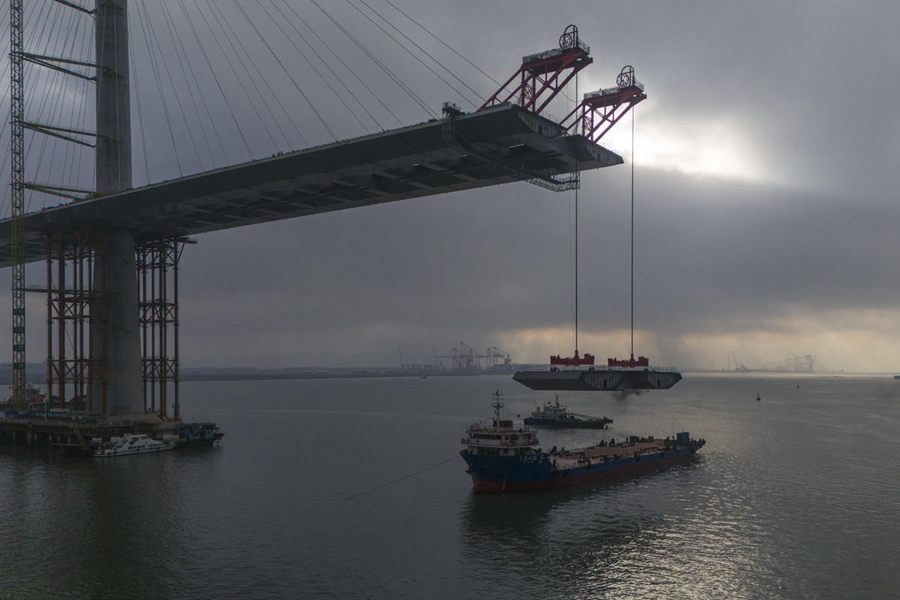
(497, 145)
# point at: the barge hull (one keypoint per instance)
(597, 380)
(646, 463)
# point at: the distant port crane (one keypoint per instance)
(465, 358)
(791, 364)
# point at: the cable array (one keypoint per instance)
(218, 82)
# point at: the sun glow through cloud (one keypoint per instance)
(704, 148)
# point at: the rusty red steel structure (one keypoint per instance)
(157, 265)
(599, 111)
(72, 291)
(542, 76)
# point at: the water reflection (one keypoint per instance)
(585, 540)
(103, 528)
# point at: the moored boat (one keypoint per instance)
(130, 444)
(197, 434)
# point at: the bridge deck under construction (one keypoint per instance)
(493, 146)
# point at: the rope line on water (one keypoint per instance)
(399, 479)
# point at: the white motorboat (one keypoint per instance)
(132, 444)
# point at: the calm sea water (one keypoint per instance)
(795, 496)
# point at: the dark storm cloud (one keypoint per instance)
(808, 88)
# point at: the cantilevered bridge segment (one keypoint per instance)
(492, 147)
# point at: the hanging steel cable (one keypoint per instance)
(632, 231)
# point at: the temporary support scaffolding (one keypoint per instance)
(17, 185)
(157, 264)
(73, 371)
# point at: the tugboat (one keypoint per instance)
(197, 434)
(502, 458)
(132, 444)
(558, 416)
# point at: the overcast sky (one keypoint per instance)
(766, 182)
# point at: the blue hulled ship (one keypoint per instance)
(504, 458)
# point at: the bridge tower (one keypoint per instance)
(117, 343)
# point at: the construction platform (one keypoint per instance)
(78, 431)
(497, 145)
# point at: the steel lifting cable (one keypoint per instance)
(223, 22)
(632, 230)
(577, 188)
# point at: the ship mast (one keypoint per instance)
(497, 404)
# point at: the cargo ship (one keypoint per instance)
(503, 458)
(557, 416)
(579, 373)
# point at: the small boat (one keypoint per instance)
(132, 444)
(558, 416)
(197, 434)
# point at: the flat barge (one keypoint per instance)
(579, 374)
(503, 458)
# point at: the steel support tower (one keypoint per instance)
(17, 184)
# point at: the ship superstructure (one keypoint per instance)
(556, 415)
